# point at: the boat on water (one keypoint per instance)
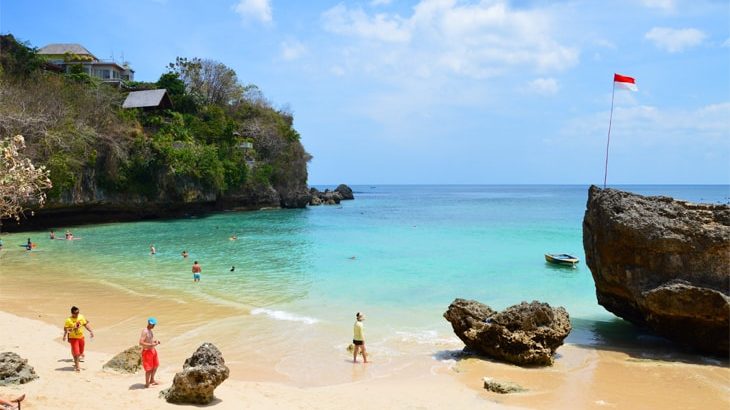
(561, 259)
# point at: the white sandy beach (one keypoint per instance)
(581, 378)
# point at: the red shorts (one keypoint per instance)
(77, 346)
(150, 360)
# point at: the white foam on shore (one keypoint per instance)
(426, 337)
(282, 315)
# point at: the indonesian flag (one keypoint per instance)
(624, 82)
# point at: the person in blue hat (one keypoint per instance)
(150, 361)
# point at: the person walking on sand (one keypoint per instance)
(196, 272)
(358, 338)
(73, 330)
(11, 404)
(150, 361)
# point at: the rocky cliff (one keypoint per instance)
(662, 263)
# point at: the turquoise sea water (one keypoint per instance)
(400, 254)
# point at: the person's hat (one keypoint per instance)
(152, 321)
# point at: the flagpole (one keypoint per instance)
(608, 140)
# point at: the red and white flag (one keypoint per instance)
(625, 82)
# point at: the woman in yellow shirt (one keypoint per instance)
(358, 338)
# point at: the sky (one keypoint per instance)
(447, 91)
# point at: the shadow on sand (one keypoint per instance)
(640, 344)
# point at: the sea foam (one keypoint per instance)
(282, 315)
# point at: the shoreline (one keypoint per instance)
(583, 376)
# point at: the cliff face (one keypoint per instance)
(662, 263)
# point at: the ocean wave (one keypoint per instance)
(282, 315)
(425, 337)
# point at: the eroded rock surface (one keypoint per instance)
(202, 373)
(662, 263)
(526, 334)
(15, 370)
(128, 361)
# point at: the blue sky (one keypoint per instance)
(447, 91)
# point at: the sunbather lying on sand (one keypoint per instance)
(12, 404)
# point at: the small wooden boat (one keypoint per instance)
(561, 259)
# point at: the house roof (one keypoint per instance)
(147, 98)
(63, 48)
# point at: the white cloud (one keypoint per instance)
(675, 40)
(375, 3)
(665, 5)
(473, 40)
(543, 86)
(726, 43)
(292, 50)
(648, 125)
(254, 10)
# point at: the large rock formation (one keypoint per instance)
(15, 370)
(662, 263)
(526, 334)
(345, 192)
(128, 361)
(201, 374)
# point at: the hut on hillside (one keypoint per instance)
(148, 100)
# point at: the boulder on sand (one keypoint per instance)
(15, 370)
(201, 374)
(128, 361)
(662, 263)
(526, 334)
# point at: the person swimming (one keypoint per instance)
(184, 254)
(233, 268)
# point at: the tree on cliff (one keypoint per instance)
(21, 183)
(211, 81)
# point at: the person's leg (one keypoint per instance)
(75, 352)
(147, 377)
(155, 364)
(82, 344)
(354, 353)
(152, 377)
(364, 353)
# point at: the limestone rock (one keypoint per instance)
(502, 387)
(201, 374)
(526, 334)
(662, 263)
(327, 197)
(15, 370)
(345, 192)
(128, 361)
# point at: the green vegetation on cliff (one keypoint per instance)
(221, 140)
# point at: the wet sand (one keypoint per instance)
(583, 377)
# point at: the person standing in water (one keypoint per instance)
(73, 330)
(152, 249)
(150, 361)
(52, 235)
(196, 272)
(358, 338)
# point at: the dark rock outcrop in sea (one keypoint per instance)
(526, 334)
(342, 192)
(202, 373)
(662, 263)
(345, 192)
(15, 370)
(128, 361)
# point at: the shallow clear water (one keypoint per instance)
(399, 253)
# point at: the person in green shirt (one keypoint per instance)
(358, 338)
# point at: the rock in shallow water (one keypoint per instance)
(15, 370)
(502, 387)
(662, 263)
(526, 334)
(202, 373)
